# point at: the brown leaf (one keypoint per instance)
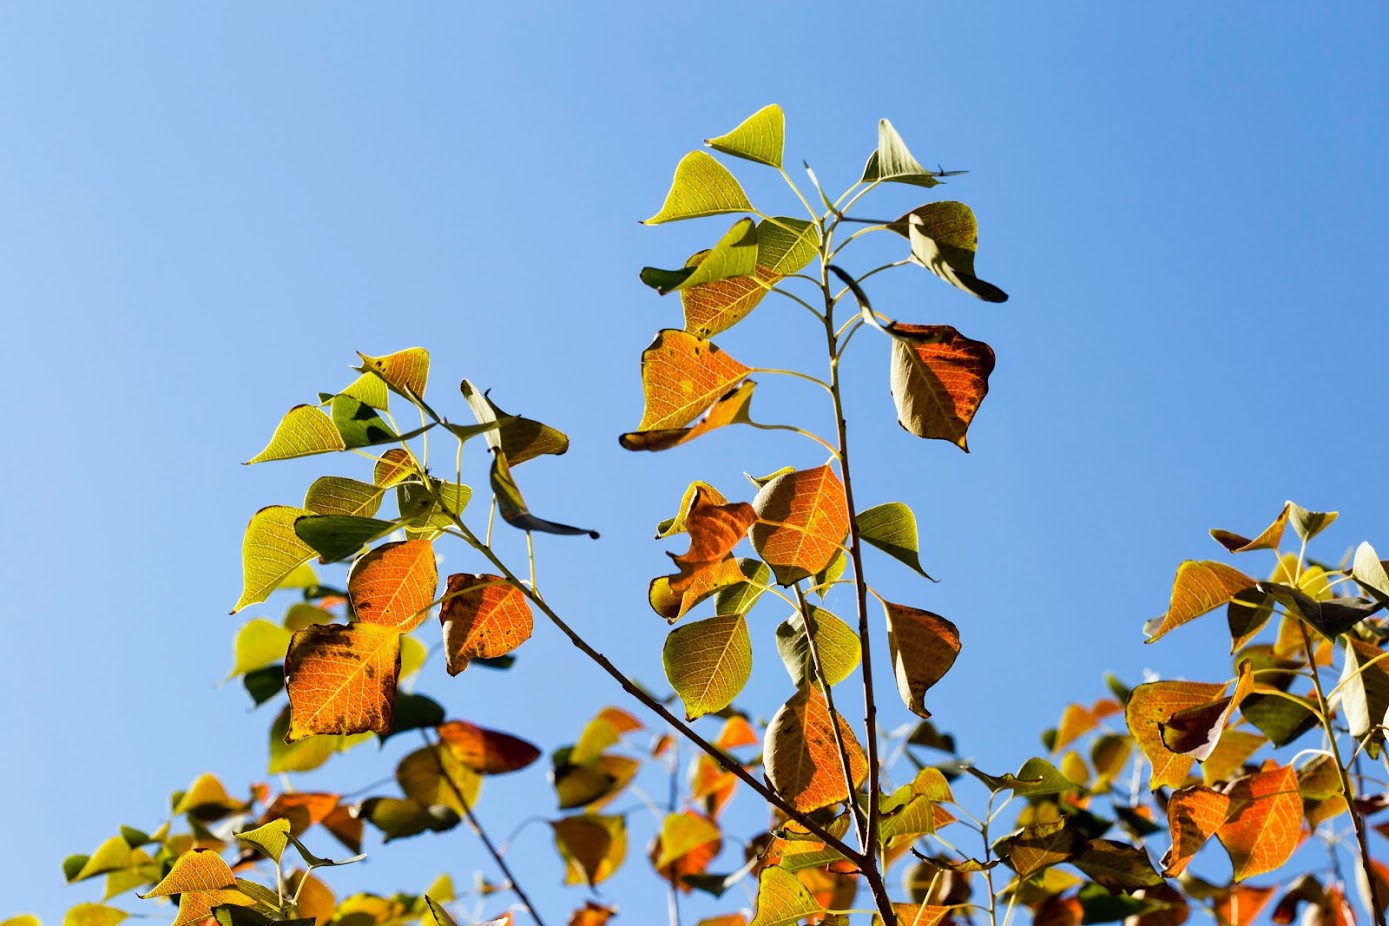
(341, 679)
(487, 752)
(1200, 587)
(802, 521)
(1193, 816)
(592, 846)
(394, 584)
(1117, 866)
(592, 914)
(731, 408)
(1267, 826)
(939, 378)
(923, 647)
(1195, 731)
(315, 899)
(1269, 538)
(714, 531)
(683, 375)
(801, 757)
(1148, 708)
(1034, 848)
(483, 616)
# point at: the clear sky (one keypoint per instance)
(205, 209)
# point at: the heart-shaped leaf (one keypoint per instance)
(802, 759)
(802, 520)
(304, 430)
(708, 663)
(702, 186)
(483, 616)
(923, 648)
(759, 137)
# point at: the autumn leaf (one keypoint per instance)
(718, 305)
(487, 752)
(1268, 539)
(803, 762)
(513, 508)
(1200, 587)
(394, 466)
(686, 844)
(394, 584)
(938, 246)
(590, 914)
(1117, 866)
(83, 914)
(203, 881)
(782, 900)
(714, 531)
(398, 818)
(435, 776)
(1033, 848)
(483, 616)
(304, 430)
(939, 378)
(836, 643)
(1193, 816)
(521, 439)
(1266, 824)
(708, 663)
(1150, 706)
(405, 372)
(592, 846)
(1365, 693)
(341, 679)
(673, 605)
(923, 648)
(316, 900)
(683, 375)
(802, 521)
(1195, 731)
(1241, 903)
(731, 408)
(270, 551)
(300, 809)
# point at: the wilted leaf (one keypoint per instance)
(1193, 816)
(730, 408)
(513, 507)
(487, 752)
(702, 186)
(1200, 587)
(892, 161)
(1308, 524)
(714, 531)
(270, 551)
(892, 529)
(708, 663)
(802, 521)
(939, 378)
(673, 605)
(836, 644)
(1266, 825)
(341, 679)
(340, 495)
(1269, 538)
(483, 616)
(782, 900)
(1195, 731)
(923, 647)
(944, 260)
(802, 760)
(405, 372)
(1365, 692)
(759, 137)
(1117, 866)
(304, 430)
(591, 845)
(1148, 708)
(394, 584)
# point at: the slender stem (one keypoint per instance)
(801, 431)
(814, 216)
(797, 374)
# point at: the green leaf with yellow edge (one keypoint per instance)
(591, 845)
(270, 838)
(89, 914)
(733, 256)
(1149, 706)
(923, 647)
(258, 643)
(303, 431)
(730, 408)
(802, 521)
(891, 527)
(739, 599)
(1199, 588)
(359, 424)
(944, 259)
(341, 679)
(708, 663)
(782, 900)
(398, 819)
(406, 372)
(340, 495)
(760, 137)
(513, 508)
(1308, 524)
(434, 775)
(337, 537)
(801, 756)
(893, 162)
(938, 380)
(702, 186)
(835, 642)
(270, 552)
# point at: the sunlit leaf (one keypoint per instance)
(1268, 539)
(892, 161)
(739, 599)
(782, 900)
(482, 616)
(1193, 816)
(824, 581)
(1233, 750)
(258, 643)
(714, 530)
(83, 914)
(708, 663)
(1369, 570)
(1319, 786)
(487, 752)
(683, 375)
(521, 439)
(785, 245)
(1034, 848)
(302, 756)
(685, 845)
(802, 521)
(1035, 777)
(303, 431)
(395, 465)
(730, 408)
(939, 378)
(196, 870)
(836, 644)
(434, 775)
(394, 584)
(1150, 706)
(405, 372)
(337, 537)
(1241, 903)
(1308, 524)
(891, 527)
(206, 799)
(673, 605)
(425, 510)
(340, 495)
(592, 846)
(593, 783)
(299, 810)
(801, 757)
(733, 256)
(720, 304)
(923, 647)
(1365, 693)
(936, 256)
(359, 424)
(702, 186)
(315, 899)
(1266, 824)
(398, 819)
(1195, 731)
(270, 551)
(759, 137)
(590, 914)
(513, 506)
(1199, 588)
(112, 855)
(341, 679)
(270, 838)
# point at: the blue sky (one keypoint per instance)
(206, 209)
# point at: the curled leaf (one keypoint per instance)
(483, 616)
(939, 378)
(923, 647)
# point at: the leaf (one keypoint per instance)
(425, 510)
(714, 531)
(1240, 905)
(1266, 826)
(340, 495)
(893, 162)
(1117, 866)
(270, 551)
(802, 759)
(676, 525)
(337, 537)
(591, 845)
(299, 810)
(1330, 618)
(482, 616)
(683, 835)
(720, 304)
(315, 899)
(341, 679)
(413, 711)
(521, 439)
(369, 389)
(435, 776)
(1319, 786)
(1365, 693)
(394, 585)
(733, 256)
(891, 527)
(207, 800)
(730, 408)
(359, 424)
(702, 186)
(1195, 731)
(739, 599)
(939, 378)
(590, 914)
(394, 466)
(1282, 718)
(785, 245)
(1246, 614)
(835, 642)
(673, 605)
(1149, 706)
(910, 914)
(759, 138)
(111, 855)
(923, 647)
(487, 752)
(802, 521)
(708, 663)
(1199, 588)
(1308, 524)
(398, 819)
(258, 643)
(270, 838)
(405, 372)
(1035, 848)
(683, 375)
(441, 916)
(197, 870)
(513, 507)
(1035, 777)
(1193, 816)
(782, 900)
(1268, 539)
(83, 914)
(1368, 570)
(929, 253)
(303, 431)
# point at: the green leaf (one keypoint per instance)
(739, 599)
(892, 529)
(270, 551)
(1036, 777)
(258, 644)
(735, 255)
(420, 509)
(702, 186)
(1308, 524)
(315, 861)
(824, 579)
(359, 424)
(760, 137)
(513, 507)
(892, 162)
(782, 900)
(785, 245)
(271, 838)
(369, 389)
(1282, 717)
(340, 495)
(1330, 618)
(337, 537)
(1098, 905)
(111, 855)
(264, 684)
(936, 257)
(708, 663)
(835, 642)
(73, 865)
(303, 431)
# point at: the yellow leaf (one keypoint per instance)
(405, 372)
(702, 186)
(782, 900)
(1200, 587)
(341, 679)
(759, 137)
(1268, 539)
(432, 776)
(708, 663)
(87, 914)
(304, 430)
(270, 552)
(591, 845)
(258, 643)
(1149, 706)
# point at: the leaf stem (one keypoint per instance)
(814, 216)
(795, 373)
(801, 431)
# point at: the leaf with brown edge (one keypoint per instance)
(1195, 731)
(708, 663)
(731, 408)
(487, 752)
(683, 375)
(1193, 816)
(714, 531)
(483, 616)
(1241, 903)
(1268, 539)
(782, 900)
(673, 605)
(1266, 826)
(939, 378)
(1034, 848)
(394, 585)
(1149, 706)
(802, 759)
(1117, 866)
(676, 525)
(802, 519)
(406, 372)
(592, 846)
(923, 648)
(1199, 588)
(686, 844)
(341, 679)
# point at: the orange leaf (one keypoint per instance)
(721, 304)
(487, 752)
(802, 520)
(395, 464)
(731, 408)
(1263, 833)
(682, 375)
(341, 679)
(923, 648)
(802, 759)
(673, 605)
(714, 531)
(686, 844)
(1200, 587)
(302, 809)
(1195, 731)
(592, 914)
(1193, 816)
(394, 584)
(1241, 904)
(316, 900)
(483, 622)
(1058, 911)
(1149, 706)
(405, 371)
(736, 732)
(939, 377)
(1268, 539)
(910, 914)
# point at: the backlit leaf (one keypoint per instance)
(1233, 750)
(315, 899)
(785, 245)
(1266, 825)
(719, 305)
(359, 424)
(395, 465)
(340, 495)
(1268, 539)
(714, 531)
(487, 752)
(299, 810)
(431, 776)
(1149, 706)
(676, 525)
(708, 663)
(1319, 786)
(683, 375)
(83, 914)
(1200, 587)
(425, 510)
(590, 914)
(482, 616)
(939, 378)
(1195, 731)
(702, 186)
(207, 800)
(1308, 524)
(270, 551)
(1193, 816)
(1117, 866)
(782, 900)
(923, 647)
(835, 642)
(394, 584)
(730, 408)
(892, 161)
(936, 256)
(910, 914)
(194, 871)
(734, 255)
(111, 855)
(1240, 905)
(258, 643)
(405, 372)
(369, 389)
(1365, 693)
(1368, 570)
(892, 528)
(341, 679)
(521, 439)
(513, 507)
(337, 537)
(673, 605)
(684, 835)
(1035, 777)
(802, 521)
(801, 757)
(739, 599)
(759, 138)
(591, 845)
(270, 838)
(303, 431)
